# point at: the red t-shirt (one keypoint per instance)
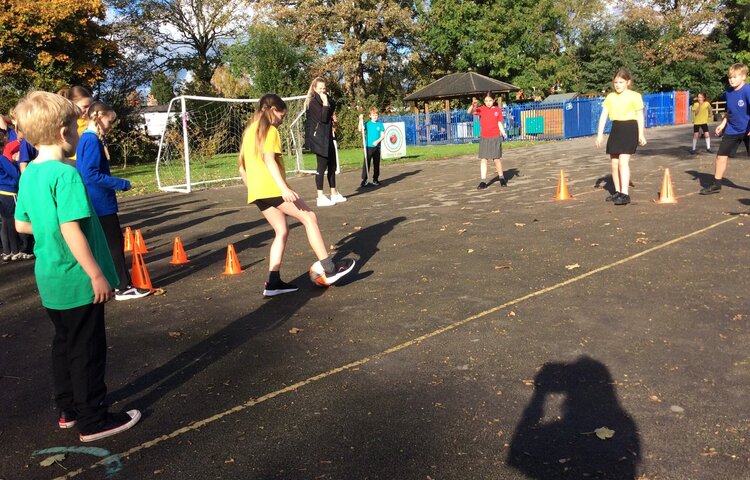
(488, 120)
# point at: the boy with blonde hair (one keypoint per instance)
(74, 270)
(735, 125)
(374, 131)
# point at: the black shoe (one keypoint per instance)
(363, 184)
(112, 424)
(340, 269)
(708, 150)
(611, 198)
(67, 419)
(482, 185)
(503, 182)
(622, 199)
(280, 288)
(713, 188)
(692, 151)
(376, 183)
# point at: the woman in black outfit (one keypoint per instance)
(319, 119)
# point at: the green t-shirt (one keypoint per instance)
(51, 193)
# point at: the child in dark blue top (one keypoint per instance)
(9, 176)
(92, 163)
(735, 125)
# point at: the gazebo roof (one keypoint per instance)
(458, 85)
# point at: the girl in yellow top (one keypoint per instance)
(262, 170)
(702, 113)
(81, 98)
(625, 108)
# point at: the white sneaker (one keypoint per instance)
(325, 202)
(130, 293)
(338, 198)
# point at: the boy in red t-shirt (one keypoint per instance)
(491, 134)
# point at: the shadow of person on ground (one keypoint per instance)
(551, 445)
(383, 183)
(706, 179)
(271, 314)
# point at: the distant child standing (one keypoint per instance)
(262, 170)
(93, 165)
(73, 270)
(491, 132)
(735, 125)
(374, 135)
(625, 108)
(81, 98)
(702, 113)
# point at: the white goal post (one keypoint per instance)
(201, 140)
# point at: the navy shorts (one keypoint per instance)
(730, 144)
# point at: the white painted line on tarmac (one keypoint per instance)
(321, 376)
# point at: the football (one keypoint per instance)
(319, 279)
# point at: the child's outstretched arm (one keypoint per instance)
(79, 247)
(600, 129)
(24, 227)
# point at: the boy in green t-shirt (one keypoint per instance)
(74, 270)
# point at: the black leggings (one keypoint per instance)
(8, 234)
(113, 233)
(326, 163)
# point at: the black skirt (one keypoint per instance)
(623, 138)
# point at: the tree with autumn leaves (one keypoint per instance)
(52, 43)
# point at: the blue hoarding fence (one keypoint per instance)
(573, 118)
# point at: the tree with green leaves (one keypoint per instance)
(273, 59)
(361, 44)
(162, 88)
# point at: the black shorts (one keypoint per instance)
(623, 138)
(266, 203)
(730, 144)
(698, 127)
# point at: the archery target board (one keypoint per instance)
(394, 143)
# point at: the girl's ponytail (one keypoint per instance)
(264, 116)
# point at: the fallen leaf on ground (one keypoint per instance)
(654, 398)
(461, 231)
(358, 228)
(677, 409)
(52, 460)
(503, 267)
(604, 433)
(294, 330)
(643, 240)
(496, 211)
(175, 334)
(571, 267)
(159, 291)
(471, 250)
(520, 224)
(594, 244)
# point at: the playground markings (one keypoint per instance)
(105, 462)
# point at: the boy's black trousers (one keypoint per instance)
(79, 356)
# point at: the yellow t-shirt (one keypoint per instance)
(83, 124)
(260, 183)
(701, 113)
(623, 106)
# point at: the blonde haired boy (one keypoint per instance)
(735, 125)
(74, 270)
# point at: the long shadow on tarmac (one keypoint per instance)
(550, 447)
(268, 316)
(383, 183)
(706, 179)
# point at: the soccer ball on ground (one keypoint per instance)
(319, 278)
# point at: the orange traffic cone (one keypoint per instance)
(666, 195)
(139, 274)
(178, 253)
(562, 188)
(128, 240)
(140, 244)
(232, 266)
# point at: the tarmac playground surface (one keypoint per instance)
(492, 334)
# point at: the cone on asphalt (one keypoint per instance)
(232, 266)
(666, 195)
(139, 274)
(562, 188)
(178, 253)
(128, 240)
(140, 244)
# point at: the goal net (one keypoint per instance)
(202, 135)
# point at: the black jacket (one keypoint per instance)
(319, 125)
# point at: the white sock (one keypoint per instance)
(708, 142)
(695, 143)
